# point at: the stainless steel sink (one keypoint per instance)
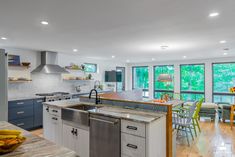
(78, 114)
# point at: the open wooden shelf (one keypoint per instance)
(19, 81)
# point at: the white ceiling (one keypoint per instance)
(128, 29)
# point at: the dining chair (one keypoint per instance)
(183, 120)
(196, 117)
(232, 114)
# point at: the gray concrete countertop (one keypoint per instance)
(24, 98)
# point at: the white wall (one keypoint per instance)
(54, 82)
(208, 73)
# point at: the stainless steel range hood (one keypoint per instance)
(49, 64)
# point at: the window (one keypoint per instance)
(192, 82)
(161, 88)
(140, 79)
(90, 68)
(223, 79)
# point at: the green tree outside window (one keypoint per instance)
(192, 81)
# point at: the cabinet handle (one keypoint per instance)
(20, 124)
(131, 127)
(54, 118)
(72, 131)
(20, 112)
(132, 146)
(54, 111)
(47, 109)
(20, 103)
(39, 101)
(76, 132)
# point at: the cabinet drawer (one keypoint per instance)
(133, 128)
(25, 123)
(132, 146)
(19, 103)
(20, 112)
(55, 111)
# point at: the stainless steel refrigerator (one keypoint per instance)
(3, 86)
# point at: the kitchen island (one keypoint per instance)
(142, 133)
(36, 146)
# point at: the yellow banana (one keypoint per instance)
(2, 143)
(7, 136)
(10, 132)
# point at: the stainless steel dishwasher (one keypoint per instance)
(105, 136)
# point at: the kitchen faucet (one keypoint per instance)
(97, 98)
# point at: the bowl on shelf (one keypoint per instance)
(10, 140)
(25, 63)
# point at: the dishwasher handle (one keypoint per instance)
(104, 121)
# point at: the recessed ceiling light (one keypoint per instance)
(226, 49)
(184, 57)
(44, 23)
(223, 42)
(3, 38)
(128, 61)
(214, 14)
(75, 50)
(153, 59)
(113, 56)
(225, 53)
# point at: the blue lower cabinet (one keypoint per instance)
(26, 114)
(20, 112)
(38, 111)
(25, 123)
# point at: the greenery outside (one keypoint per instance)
(223, 79)
(192, 80)
(140, 77)
(90, 68)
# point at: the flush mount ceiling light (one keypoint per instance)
(153, 59)
(113, 56)
(164, 47)
(127, 60)
(3, 38)
(225, 53)
(223, 42)
(75, 50)
(213, 14)
(44, 22)
(184, 57)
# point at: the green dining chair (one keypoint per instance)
(196, 116)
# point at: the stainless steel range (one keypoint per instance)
(55, 96)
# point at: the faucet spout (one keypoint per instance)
(97, 98)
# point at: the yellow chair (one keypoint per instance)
(232, 114)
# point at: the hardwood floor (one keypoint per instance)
(215, 140)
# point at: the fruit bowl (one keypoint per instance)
(25, 63)
(10, 140)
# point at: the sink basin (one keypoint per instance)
(84, 107)
(78, 114)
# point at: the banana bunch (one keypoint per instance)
(10, 140)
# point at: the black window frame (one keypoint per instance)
(96, 67)
(218, 93)
(193, 92)
(144, 90)
(154, 78)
